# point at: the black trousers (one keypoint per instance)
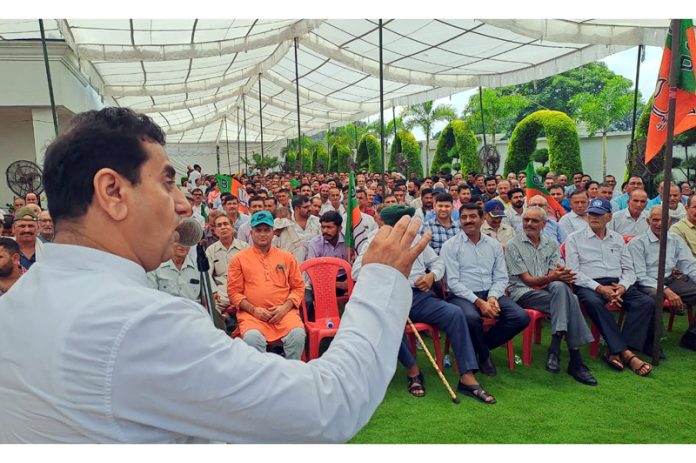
(638, 323)
(512, 320)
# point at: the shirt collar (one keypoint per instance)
(341, 239)
(187, 263)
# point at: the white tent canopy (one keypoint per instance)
(195, 76)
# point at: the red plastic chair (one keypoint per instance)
(667, 307)
(322, 273)
(434, 334)
(532, 331)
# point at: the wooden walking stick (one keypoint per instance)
(454, 397)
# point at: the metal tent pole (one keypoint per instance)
(483, 123)
(635, 97)
(299, 129)
(261, 117)
(381, 106)
(246, 158)
(48, 76)
(659, 297)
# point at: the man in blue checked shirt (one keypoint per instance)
(443, 225)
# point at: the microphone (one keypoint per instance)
(190, 232)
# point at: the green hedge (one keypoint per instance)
(320, 158)
(406, 143)
(291, 161)
(562, 138)
(340, 155)
(368, 156)
(456, 140)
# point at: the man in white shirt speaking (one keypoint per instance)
(108, 359)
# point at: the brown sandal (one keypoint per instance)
(640, 368)
(416, 385)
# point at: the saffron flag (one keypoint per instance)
(685, 114)
(227, 184)
(356, 230)
(534, 186)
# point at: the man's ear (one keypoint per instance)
(111, 192)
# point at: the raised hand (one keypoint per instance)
(392, 245)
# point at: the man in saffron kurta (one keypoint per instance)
(265, 283)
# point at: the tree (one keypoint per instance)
(599, 111)
(423, 115)
(262, 165)
(499, 111)
(368, 156)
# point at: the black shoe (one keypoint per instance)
(553, 362)
(487, 367)
(582, 374)
(688, 342)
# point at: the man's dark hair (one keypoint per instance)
(284, 190)
(556, 186)
(229, 198)
(606, 185)
(224, 197)
(270, 198)
(109, 138)
(435, 178)
(417, 183)
(444, 198)
(595, 182)
(196, 166)
(389, 196)
(306, 184)
(462, 186)
(623, 185)
(577, 192)
(426, 191)
(332, 216)
(609, 175)
(476, 198)
(298, 201)
(578, 173)
(480, 176)
(10, 245)
(255, 198)
(489, 178)
(471, 207)
(472, 172)
(515, 190)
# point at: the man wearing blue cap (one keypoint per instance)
(605, 274)
(494, 212)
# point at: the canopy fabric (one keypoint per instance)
(194, 77)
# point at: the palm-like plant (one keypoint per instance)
(424, 115)
(600, 111)
(499, 111)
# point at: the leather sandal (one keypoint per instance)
(476, 392)
(416, 385)
(640, 367)
(614, 364)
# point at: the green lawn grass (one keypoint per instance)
(535, 406)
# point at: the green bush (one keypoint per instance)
(542, 171)
(320, 158)
(291, 161)
(340, 155)
(456, 140)
(562, 138)
(368, 156)
(406, 144)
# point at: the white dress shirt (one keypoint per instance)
(473, 267)
(97, 356)
(645, 251)
(312, 228)
(623, 224)
(219, 258)
(590, 257)
(571, 222)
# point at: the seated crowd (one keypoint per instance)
(493, 253)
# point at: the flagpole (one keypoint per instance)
(675, 29)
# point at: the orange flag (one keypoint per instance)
(685, 114)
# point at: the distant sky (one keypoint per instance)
(623, 63)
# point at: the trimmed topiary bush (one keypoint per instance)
(320, 158)
(406, 144)
(340, 155)
(368, 156)
(456, 140)
(562, 137)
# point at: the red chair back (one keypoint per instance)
(322, 273)
(562, 250)
(628, 238)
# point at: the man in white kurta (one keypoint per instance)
(107, 359)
